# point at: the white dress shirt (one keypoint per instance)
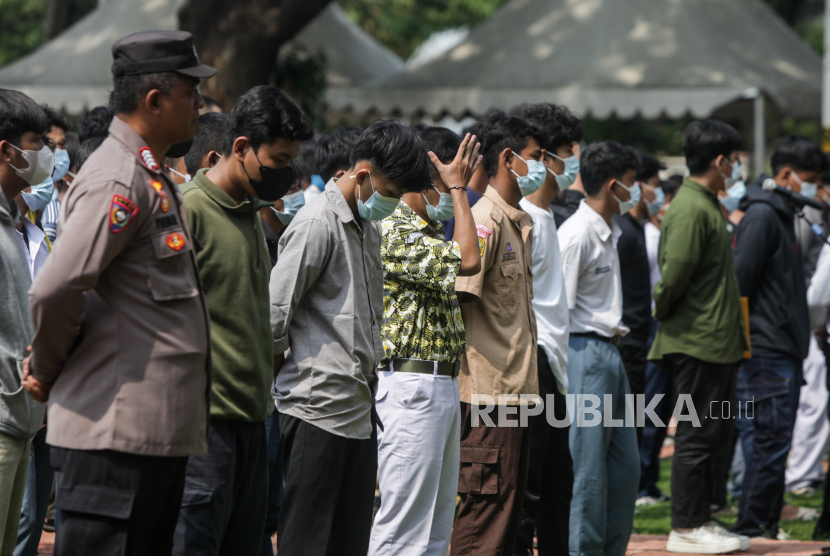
(550, 301)
(591, 267)
(37, 249)
(818, 294)
(652, 244)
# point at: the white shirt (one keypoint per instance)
(588, 246)
(36, 249)
(652, 244)
(550, 301)
(818, 294)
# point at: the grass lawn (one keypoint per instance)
(656, 520)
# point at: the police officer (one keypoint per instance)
(121, 332)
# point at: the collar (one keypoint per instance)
(223, 199)
(406, 213)
(514, 214)
(338, 202)
(598, 224)
(700, 188)
(127, 136)
(35, 234)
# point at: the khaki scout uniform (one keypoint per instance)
(120, 321)
(501, 359)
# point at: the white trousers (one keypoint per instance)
(812, 427)
(418, 463)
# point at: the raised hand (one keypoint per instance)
(459, 172)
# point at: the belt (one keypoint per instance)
(613, 340)
(435, 368)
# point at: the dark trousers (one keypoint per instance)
(550, 476)
(329, 491)
(707, 386)
(275, 482)
(36, 499)
(657, 382)
(225, 493)
(116, 504)
(772, 386)
(492, 484)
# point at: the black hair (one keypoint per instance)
(501, 131)
(671, 185)
(19, 114)
(397, 151)
(334, 151)
(472, 129)
(557, 125)
(94, 123)
(602, 161)
(443, 142)
(649, 167)
(800, 154)
(420, 126)
(297, 170)
(210, 102)
(128, 90)
(85, 151)
(211, 129)
(72, 147)
(55, 118)
(263, 115)
(305, 160)
(704, 141)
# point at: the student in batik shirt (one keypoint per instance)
(423, 341)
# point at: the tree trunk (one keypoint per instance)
(56, 16)
(241, 38)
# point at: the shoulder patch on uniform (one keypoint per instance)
(147, 157)
(175, 241)
(413, 236)
(483, 231)
(122, 212)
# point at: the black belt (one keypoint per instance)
(613, 340)
(425, 367)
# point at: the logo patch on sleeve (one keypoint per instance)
(480, 247)
(147, 157)
(122, 212)
(483, 231)
(175, 241)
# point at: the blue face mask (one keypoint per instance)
(734, 196)
(659, 199)
(634, 192)
(291, 206)
(444, 210)
(566, 179)
(61, 164)
(808, 189)
(40, 196)
(536, 172)
(376, 207)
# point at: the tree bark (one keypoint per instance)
(56, 16)
(241, 38)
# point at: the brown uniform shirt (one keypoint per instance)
(120, 321)
(499, 322)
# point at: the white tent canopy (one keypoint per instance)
(603, 57)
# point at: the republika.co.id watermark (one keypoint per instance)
(591, 410)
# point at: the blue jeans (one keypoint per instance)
(772, 385)
(606, 462)
(275, 481)
(36, 497)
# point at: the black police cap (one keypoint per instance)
(158, 52)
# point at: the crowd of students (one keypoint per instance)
(242, 327)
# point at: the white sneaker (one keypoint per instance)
(723, 531)
(645, 501)
(702, 540)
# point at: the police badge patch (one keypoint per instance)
(122, 212)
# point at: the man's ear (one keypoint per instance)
(339, 174)
(506, 157)
(152, 101)
(240, 144)
(5, 147)
(212, 159)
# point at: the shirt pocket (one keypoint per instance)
(507, 286)
(170, 273)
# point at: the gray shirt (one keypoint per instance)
(326, 305)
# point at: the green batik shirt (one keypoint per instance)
(421, 316)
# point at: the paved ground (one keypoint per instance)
(47, 541)
(652, 545)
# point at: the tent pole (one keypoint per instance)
(760, 134)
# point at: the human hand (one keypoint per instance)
(458, 172)
(39, 391)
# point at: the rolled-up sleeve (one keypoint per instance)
(304, 252)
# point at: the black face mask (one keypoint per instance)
(274, 183)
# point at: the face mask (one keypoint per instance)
(61, 164)
(376, 207)
(808, 189)
(41, 194)
(536, 172)
(729, 181)
(41, 165)
(571, 171)
(186, 177)
(291, 205)
(634, 193)
(734, 196)
(273, 183)
(444, 210)
(659, 199)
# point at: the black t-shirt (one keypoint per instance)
(636, 285)
(564, 205)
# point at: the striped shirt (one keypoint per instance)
(49, 221)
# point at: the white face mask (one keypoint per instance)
(185, 177)
(729, 181)
(41, 164)
(634, 193)
(808, 188)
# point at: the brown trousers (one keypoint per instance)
(492, 483)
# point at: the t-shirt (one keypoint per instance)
(652, 244)
(636, 284)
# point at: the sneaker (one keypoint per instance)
(724, 531)
(646, 501)
(702, 540)
(783, 535)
